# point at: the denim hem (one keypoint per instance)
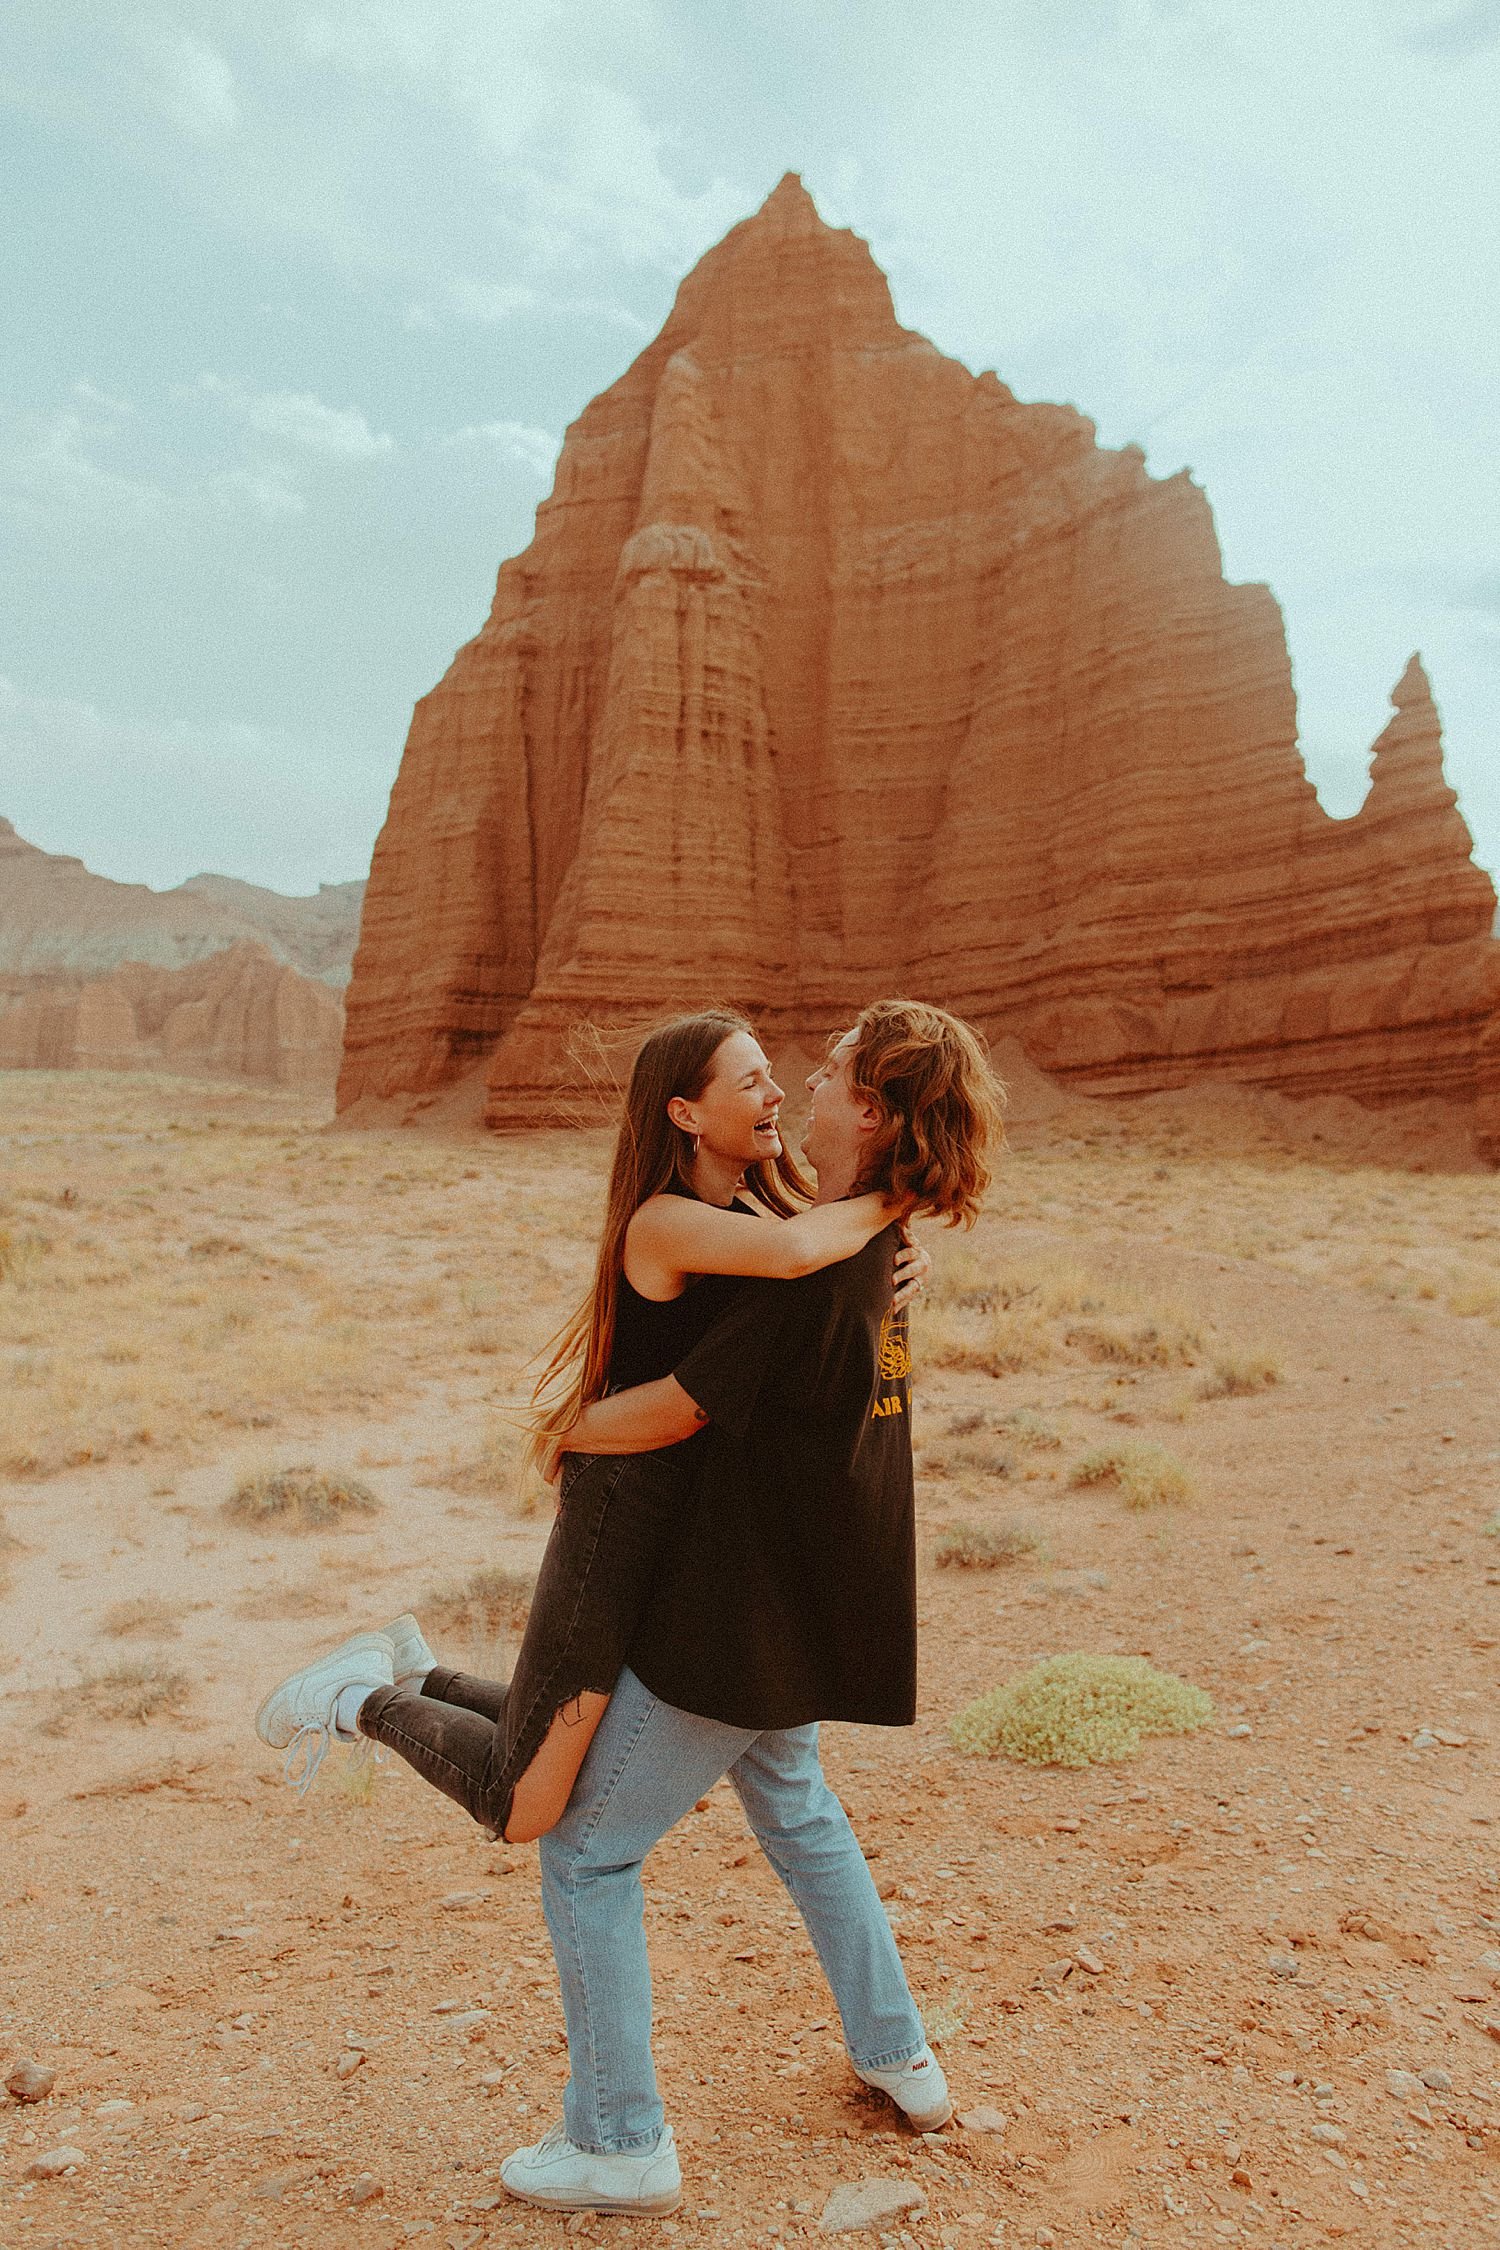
(891, 2061)
(635, 2144)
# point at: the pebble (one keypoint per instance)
(1424, 1739)
(1489, 1960)
(1238, 1732)
(1284, 1965)
(119, 2107)
(54, 2163)
(1403, 2085)
(30, 2081)
(366, 2189)
(1471, 1992)
(1491, 2024)
(871, 2203)
(1438, 2080)
(190, 2113)
(983, 2120)
(349, 2062)
(469, 2021)
(457, 1899)
(1326, 2135)
(1089, 1960)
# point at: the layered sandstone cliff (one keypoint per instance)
(58, 919)
(834, 669)
(238, 1015)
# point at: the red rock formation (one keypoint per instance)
(57, 918)
(833, 669)
(238, 1015)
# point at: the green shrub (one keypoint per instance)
(1080, 1710)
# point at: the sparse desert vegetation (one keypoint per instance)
(1240, 1375)
(139, 1689)
(144, 1617)
(1335, 1600)
(300, 1498)
(979, 1546)
(1080, 1710)
(1146, 1475)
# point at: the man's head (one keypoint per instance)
(905, 1101)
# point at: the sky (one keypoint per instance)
(301, 295)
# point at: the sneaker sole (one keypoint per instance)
(644, 2207)
(260, 1716)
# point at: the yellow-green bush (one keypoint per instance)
(1080, 1710)
(1147, 1476)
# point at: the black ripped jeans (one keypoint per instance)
(473, 1738)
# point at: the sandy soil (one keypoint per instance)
(1285, 1912)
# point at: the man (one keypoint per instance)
(788, 1597)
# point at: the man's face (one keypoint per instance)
(838, 1119)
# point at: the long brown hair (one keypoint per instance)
(940, 1105)
(675, 1059)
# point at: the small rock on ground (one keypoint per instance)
(30, 2081)
(54, 2163)
(366, 2189)
(983, 2120)
(871, 2203)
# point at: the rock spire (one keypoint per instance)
(834, 669)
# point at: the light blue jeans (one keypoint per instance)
(647, 1766)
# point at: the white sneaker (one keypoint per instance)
(299, 1716)
(918, 2087)
(563, 2177)
(412, 1658)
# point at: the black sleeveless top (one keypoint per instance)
(653, 1335)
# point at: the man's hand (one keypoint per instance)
(913, 1265)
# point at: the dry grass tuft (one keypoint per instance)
(1147, 1475)
(317, 1598)
(972, 1546)
(1080, 1710)
(138, 1690)
(147, 1617)
(1029, 1315)
(1241, 1375)
(482, 1614)
(299, 1499)
(1025, 1427)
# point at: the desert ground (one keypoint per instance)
(1213, 1381)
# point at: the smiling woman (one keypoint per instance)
(702, 1195)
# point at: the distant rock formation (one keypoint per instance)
(58, 919)
(832, 670)
(240, 1014)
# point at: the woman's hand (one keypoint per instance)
(550, 1461)
(913, 1265)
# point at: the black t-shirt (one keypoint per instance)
(788, 1592)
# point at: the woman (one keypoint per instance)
(701, 1193)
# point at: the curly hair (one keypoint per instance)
(928, 1077)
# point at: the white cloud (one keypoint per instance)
(194, 85)
(522, 442)
(267, 492)
(155, 802)
(48, 465)
(489, 302)
(300, 418)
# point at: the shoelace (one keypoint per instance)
(309, 1745)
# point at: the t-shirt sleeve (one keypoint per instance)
(726, 1369)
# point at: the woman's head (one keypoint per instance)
(698, 1082)
(906, 1102)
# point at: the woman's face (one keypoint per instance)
(735, 1116)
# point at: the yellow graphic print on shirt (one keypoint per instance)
(895, 1366)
